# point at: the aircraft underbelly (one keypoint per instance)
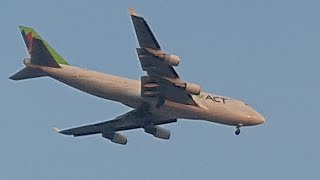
(208, 111)
(110, 87)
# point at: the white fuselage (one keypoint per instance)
(210, 107)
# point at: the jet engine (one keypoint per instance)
(170, 59)
(158, 132)
(190, 88)
(116, 137)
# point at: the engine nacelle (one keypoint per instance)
(158, 132)
(190, 88)
(193, 88)
(170, 59)
(116, 138)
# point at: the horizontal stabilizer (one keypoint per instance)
(27, 73)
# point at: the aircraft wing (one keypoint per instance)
(162, 80)
(131, 120)
(107, 126)
(144, 33)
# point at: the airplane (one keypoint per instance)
(160, 97)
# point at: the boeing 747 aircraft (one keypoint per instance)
(160, 97)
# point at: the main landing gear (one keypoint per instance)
(237, 132)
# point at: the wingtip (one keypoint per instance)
(57, 130)
(132, 12)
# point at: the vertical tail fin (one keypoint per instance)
(41, 53)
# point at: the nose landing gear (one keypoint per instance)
(237, 132)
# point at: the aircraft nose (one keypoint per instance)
(256, 118)
(259, 119)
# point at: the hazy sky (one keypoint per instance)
(266, 53)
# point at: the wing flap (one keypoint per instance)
(152, 86)
(154, 66)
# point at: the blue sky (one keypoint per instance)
(263, 52)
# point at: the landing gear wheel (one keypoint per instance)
(237, 132)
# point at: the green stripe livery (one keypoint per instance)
(28, 33)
